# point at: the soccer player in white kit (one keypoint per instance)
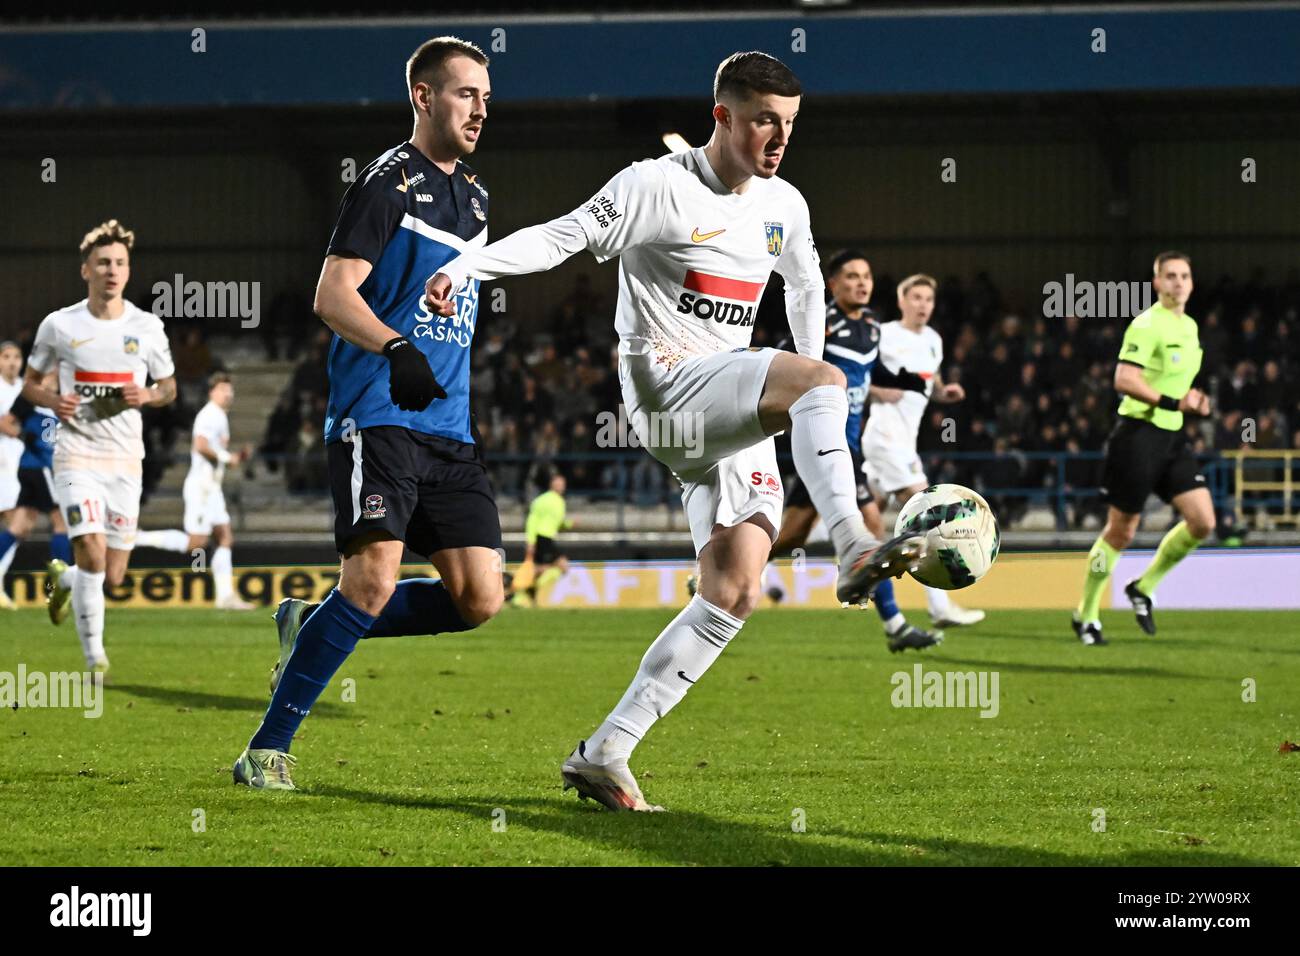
(889, 440)
(11, 446)
(103, 348)
(206, 516)
(698, 235)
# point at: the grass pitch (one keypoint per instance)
(450, 751)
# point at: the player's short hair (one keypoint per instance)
(1167, 255)
(843, 258)
(920, 278)
(106, 234)
(10, 344)
(744, 73)
(426, 63)
(219, 377)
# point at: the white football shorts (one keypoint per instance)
(106, 503)
(700, 418)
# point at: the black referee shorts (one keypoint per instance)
(431, 492)
(1141, 459)
(546, 551)
(36, 490)
(797, 496)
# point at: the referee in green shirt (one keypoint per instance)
(1158, 360)
(545, 521)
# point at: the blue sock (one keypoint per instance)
(883, 598)
(61, 548)
(327, 637)
(7, 541)
(418, 606)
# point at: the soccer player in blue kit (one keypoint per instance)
(404, 466)
(853, 346)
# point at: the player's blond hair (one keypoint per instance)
(106, 234)
(920, 278)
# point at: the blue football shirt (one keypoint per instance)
(406, 217)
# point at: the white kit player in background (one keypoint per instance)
(104, 349)
(206, 517)
(11, 446)
(698, 235)
(889, 441)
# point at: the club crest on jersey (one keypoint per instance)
(130, 344)
(479, 214)
(775, 237)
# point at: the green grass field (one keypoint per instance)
(796, 716)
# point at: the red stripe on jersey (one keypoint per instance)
(724, 288)
(116, 378)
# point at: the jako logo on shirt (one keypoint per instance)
(704, 292)
(100, 384)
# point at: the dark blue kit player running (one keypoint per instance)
(404, 467)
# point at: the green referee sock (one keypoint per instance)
(1101, 561)
(1177, 544)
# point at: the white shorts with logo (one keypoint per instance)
(701, 420)
(205, 508)
(892, 467)
(106, 503)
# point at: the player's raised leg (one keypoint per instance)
(807, 397)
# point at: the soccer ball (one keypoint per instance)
(961, 532)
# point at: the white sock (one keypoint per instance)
(687, 646)
(88, 609)
(68, 579)
(895, 623)
(937, 599)
(166, 540)
(7, 559)
(223, 578)
(816, 426)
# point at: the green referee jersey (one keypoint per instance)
(1168, 348)
(545, 517)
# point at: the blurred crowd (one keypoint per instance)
(1034, 386)
(542, 378)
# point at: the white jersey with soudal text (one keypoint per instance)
(897, 423)
(695, 257)
(95, 358)
(213, 424)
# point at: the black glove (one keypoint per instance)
(411, 383)
(907, 381)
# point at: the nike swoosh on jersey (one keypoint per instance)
(697, 236)
(75, 343)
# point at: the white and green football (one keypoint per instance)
(961, 532)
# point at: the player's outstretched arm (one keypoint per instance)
(629, 211)
(532, 249)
